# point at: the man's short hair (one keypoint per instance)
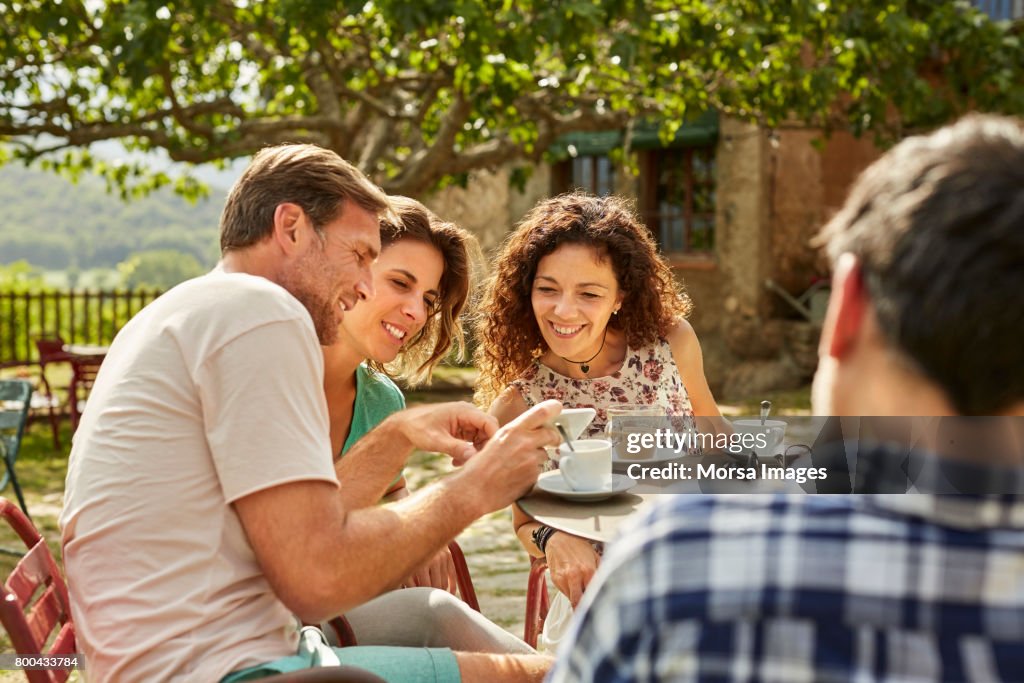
(938, 226)
(314, 178)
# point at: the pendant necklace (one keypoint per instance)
(585, 364)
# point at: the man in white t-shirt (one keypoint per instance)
(202, 509)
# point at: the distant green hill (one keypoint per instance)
(51, 222)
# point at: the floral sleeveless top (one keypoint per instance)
(648, 376)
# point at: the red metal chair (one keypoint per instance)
(537, 602)
(83, 376)
(34, 600)
(50, 347)
(462, 577)
(346, 636)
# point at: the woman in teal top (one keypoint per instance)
(421, 284)
(376, 398)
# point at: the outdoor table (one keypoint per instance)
(86, 352)
(595, 521)
(601, 520)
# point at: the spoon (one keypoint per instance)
(766, 407)
(568, 441)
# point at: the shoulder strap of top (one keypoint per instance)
(524, 390)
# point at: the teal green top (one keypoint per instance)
(376, 398)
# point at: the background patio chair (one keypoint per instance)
(53, 350)
(83, 376)
(462, 577)
(15, 401)
(50, 347)
(34, 601)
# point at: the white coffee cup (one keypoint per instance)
(573, 421)
(589, 467)
(766, 438)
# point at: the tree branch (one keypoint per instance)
(426, 162)
(185, 120)
(494, 152)
(377, 140)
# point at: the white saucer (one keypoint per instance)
(739, 456)
(552, 482)
(662, 456)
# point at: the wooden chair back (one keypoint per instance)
(50, 347)
(34, 605)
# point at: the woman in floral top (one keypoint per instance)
(582, 308)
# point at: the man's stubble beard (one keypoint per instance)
(301, 282)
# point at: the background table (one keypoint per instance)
(600, 520)
(87, 351)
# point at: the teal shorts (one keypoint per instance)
(393, 664)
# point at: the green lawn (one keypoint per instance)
(792, 402)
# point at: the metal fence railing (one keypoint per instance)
(79, 317)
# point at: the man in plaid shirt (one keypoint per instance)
(925, 318)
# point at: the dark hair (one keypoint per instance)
(938, 227)
(314, 178)
(506, 329)
(410, 220)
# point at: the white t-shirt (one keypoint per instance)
(209, 394)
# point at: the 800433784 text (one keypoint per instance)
(14, 662)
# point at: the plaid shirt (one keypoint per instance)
(807, 588)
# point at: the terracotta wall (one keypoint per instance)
(807, 183)
(796, 191)
(774, 193)
(843, 159)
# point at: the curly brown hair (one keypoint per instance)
(506, 329)
(410, 220)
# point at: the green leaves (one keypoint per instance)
(417, 92)
(158, 269)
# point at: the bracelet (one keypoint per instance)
(541, 535)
